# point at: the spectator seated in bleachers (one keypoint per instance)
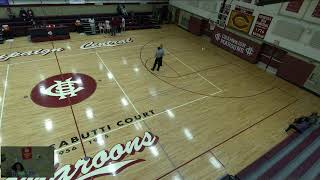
(78, 26)
(10, 14)
(6, 32)
(30, 14)
(23, 14)
(303, 123)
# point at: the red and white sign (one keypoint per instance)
(63, 90)
(294, 6)
(106, 162)
(239, 46)
(26, 153)
(316, 12)
(262, 25)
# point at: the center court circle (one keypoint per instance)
(63, 90)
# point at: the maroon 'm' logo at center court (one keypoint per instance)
(63, 90)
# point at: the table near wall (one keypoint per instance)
(49, 33)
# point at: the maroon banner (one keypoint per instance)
(239, 46)
(294, 6)
(244, 10)
(316, 12)
(262, 25)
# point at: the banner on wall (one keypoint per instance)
(240, 21)
(316, 12)
(4, 2)
(294, 6)
(262, 25)
(237, 45)
(224, 15)
(77, 1)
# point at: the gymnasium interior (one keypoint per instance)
(160, 89)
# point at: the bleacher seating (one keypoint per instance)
(1, 38)
(297, 157)
(20, 28)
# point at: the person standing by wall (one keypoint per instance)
(123, 24)
(101, 27)
(92, 25)
(107, 26)
(113, 26)
(118, 24)
(159, 55)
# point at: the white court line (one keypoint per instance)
(4, 93)
(194, 71)
(117, 82)
(33, 61)
(143, 119)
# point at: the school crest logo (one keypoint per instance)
(63, 90)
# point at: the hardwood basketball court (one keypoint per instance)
(213, 113)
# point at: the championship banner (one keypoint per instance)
(240, 21)
(294, 6)
(316, 12)
(242, 47)
(262, 25)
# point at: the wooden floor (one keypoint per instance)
(213, 112)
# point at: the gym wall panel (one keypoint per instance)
(308, 16)
(203, 8)
(295, 70)
(304, 7)
(288, 30)
(315, 40)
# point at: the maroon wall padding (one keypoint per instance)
(195, 26)
(295, 70)
(271, 55)
(53, 38)
(242, 47)
(205, 26)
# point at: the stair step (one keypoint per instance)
(307, 164)
(291, 155)
(273, 156)
(299, 160)
(256, 164)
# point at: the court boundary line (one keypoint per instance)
(228, 139)
(4, 94)
(135, 109)
(177, 58)
(138, 121)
